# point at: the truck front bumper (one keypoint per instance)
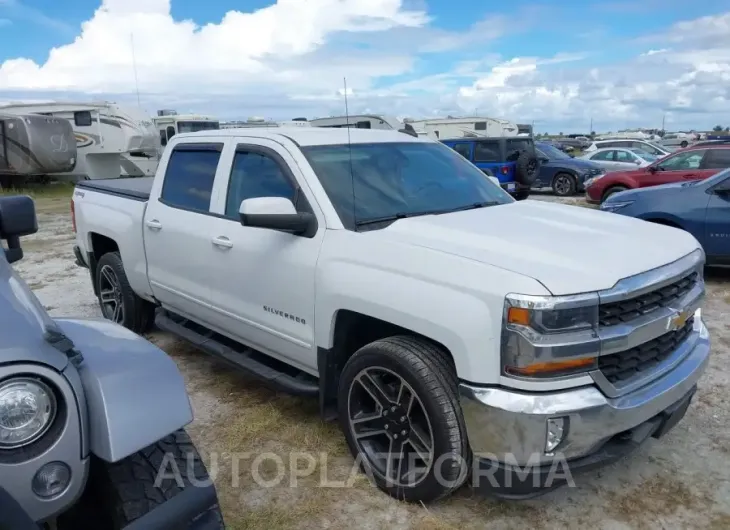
(508, 429)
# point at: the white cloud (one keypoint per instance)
(289, 59)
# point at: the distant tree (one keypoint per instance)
(593, 133)
(717, 128)
(560, 133)
(727, 129)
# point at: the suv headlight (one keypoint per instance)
(549, 336)
(27, 409)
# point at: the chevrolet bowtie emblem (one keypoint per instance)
(678, 321)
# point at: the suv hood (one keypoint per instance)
(569, 249)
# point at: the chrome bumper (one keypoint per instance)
(510, 425)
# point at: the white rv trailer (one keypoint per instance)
(359, 121)
(470, 127)
(110, 140)
(261, 122)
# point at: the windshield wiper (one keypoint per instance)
(405, 215)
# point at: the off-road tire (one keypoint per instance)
(559, 190)
(429, 370)
(118, 494)
(139, 314)
(611, 191)
(527, 168)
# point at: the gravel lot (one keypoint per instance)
(681, 481)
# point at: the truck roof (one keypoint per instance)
(307, 136)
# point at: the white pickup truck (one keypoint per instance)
(453, 332)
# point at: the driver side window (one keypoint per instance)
(686, 160)
(255, 175)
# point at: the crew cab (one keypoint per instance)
(452, 331)
(692, 163)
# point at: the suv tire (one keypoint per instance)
(564, 185)
(401, 394)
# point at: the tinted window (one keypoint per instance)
(170, 131)
(717, 159)
(195, 126)
(464, 150)
(516, 145)
(487, 151)
(372, 181)
(603, 155)
(685, 160)
(363, 125)
(480, 126)
(623, 144)
(189, 178)
(604, 145)
(82, 118)
(255, 175)
(163, 138)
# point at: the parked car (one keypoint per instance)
(564, 174)
(575, 143)
(701, 207)
(644, 145)
(512, 160)
(619, 159)
(677, 140)
(341, 265)
(88, 411)
(693, 163)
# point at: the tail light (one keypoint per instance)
(73, 216)
(504, 170)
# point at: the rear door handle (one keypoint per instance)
(154, 224)
(222, 242)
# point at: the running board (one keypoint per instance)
(256, 364)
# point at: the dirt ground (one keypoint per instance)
(682, 481)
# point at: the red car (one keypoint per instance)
(693, 163)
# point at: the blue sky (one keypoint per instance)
(556, 63)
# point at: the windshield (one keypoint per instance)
(643, 154)
(194, 126)
(659, 148)
(551, 152)
(399, 179)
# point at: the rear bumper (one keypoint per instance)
(507, 429)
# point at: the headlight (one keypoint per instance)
(27, 410)
(535, 329)
(613, 206)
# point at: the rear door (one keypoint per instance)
(715, 161)
(605, 159)
(177, 227)
(465, 149)
(487, 154)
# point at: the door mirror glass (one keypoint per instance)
(276, 213)
(17, 219)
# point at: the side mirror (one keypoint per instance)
(544, 159)
(495, 181)
(277, 213)
(17, 219)
(637, 162)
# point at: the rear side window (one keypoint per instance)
(480, 126)
(190, 175)
(463, 149)
(624, 156)
(487, 151)
(717, 159)
(82, 118)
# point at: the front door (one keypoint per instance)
(177, 226)
(678, 167)
(262, 279)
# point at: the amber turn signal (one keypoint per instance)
(518, 315)
(553, 368)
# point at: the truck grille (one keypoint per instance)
(624, 311)
(626, 364)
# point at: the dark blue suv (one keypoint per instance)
(564, 174)
(701, 207)
(512, 160)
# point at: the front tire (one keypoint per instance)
(564, 185)
(611, 191)
(117, 300)
(119, 493)
(399, 410)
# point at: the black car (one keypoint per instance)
(564, 174)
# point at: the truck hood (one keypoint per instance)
(568, 249)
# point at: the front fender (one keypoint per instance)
(134, 391)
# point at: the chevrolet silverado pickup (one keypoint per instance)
(453, 332)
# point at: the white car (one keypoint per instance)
(620, 159)
(627, 143)
(679, 140)
(442, 323)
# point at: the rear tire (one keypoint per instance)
(117, 300)
(417, 415)
(611, 191)
(119, 493)
(564, 185)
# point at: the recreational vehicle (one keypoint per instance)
(261, 122)
(361, 121)
(471, 127)
(110, 140)
(169, 123)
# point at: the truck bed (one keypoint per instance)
(136, 188)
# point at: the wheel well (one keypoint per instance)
(608, 190)
(100, 245)
(352, 331)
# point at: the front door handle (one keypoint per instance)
(154, 224)
(222, 242)
(689, 176)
